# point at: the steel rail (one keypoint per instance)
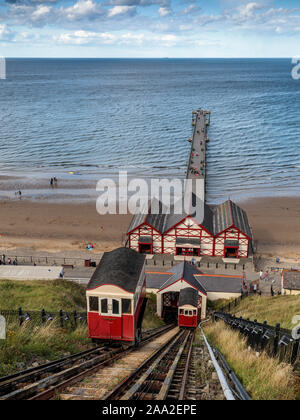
(83, 369)
(239, 387)
(186, 370)
(224, 384)
(162, 395)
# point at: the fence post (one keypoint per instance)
(20, 316)
(295, 352)
(43, 316)
(61, 318)
(75, 318)
(276, 340)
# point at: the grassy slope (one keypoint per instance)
(277, 309)
(151, 320)
(263, 377)
(27, 344)
(36, 295)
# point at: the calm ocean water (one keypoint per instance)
(96, 116)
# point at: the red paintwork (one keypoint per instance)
(120, 328)
(187, 321)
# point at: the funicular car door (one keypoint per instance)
(110, 311)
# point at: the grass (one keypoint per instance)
(263, 377)
(36, 295)
(277, 309)
(151, 319)
(25, 345)
(30, 343)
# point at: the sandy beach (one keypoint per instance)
(51, 227)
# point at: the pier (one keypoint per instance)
(197, 161)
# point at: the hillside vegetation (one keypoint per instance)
(263, 377)
(36, 295)
(277, 309)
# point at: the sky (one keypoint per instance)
(149, 28)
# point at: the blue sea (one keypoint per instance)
(96, 116)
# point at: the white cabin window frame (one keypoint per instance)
(110, 303)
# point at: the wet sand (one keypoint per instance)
(43, 226)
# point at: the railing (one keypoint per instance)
(275, 341)
(49, 260)
(62, 319)
(234, 303)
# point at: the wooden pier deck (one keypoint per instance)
(196, 169)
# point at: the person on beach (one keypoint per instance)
(51, 182)
(55, 181)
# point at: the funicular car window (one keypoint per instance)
(104, 306)
(186, 313)
(115, 307)
(126, 306)
(190, 313)
(94, 303)
(181, 311)
(194, 312)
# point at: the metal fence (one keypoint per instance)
(62, 319)
(49, 260)
(275, 341)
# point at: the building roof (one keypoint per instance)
(154, 280)
(291, 280)
(186, 272)
(214, 219)
(221, 283)
(121, 267)
(188, 296)
(154, 214)
(229, 214)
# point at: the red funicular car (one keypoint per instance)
(116, 297)
(188, 313)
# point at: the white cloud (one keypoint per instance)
(121, 10)
(164, 11)
(40, 12)
(81, 9)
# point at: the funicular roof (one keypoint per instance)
(188, 296)
(121, 267)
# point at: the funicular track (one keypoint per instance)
(163, 376)
(44, 381)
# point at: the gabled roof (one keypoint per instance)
(221, 283)
(291, 280)
(198, 211)
(188, 296)
(121, 267)
(153, 214)
(154, 280)
(229, 214)
(186, 272)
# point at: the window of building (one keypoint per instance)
(94, 303)
(126, 306)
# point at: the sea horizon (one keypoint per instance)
(87, 115)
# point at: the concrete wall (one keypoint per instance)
(290, 292)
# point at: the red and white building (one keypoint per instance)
(220, 231)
